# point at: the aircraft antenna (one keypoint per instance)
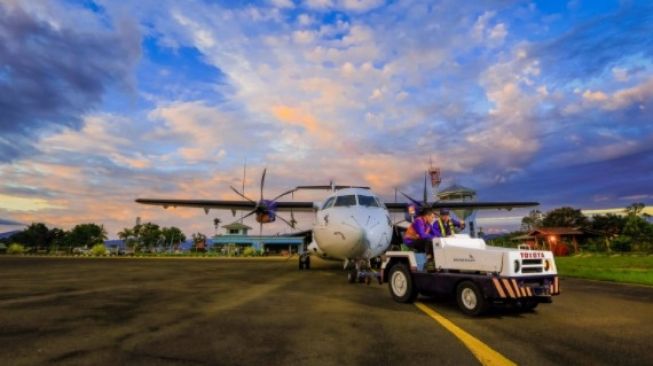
(244, 176)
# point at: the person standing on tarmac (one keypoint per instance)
(419, 234)
(445, 225)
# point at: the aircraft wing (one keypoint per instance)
(223, 204)
(402, 206)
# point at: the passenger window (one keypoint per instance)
(348, 200)
(328, 203)
(367, 201)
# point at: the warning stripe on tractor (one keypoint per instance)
(497, 285)
(508, 287)
(506, 284)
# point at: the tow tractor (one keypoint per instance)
(478, 275)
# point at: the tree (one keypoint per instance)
(173, 235)
(87, 235)
(148, 235)
(611, 225)
(566, 217)
(532, 221)
(639, 230)
(635, 209)
(129, 237)
(34, 236)
(58, 238)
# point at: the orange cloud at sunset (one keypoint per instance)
(297, 117)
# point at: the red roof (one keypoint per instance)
(555, 231)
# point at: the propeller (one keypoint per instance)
(265, 209)
(418, 205)
(425, 200)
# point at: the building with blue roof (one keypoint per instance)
(236, 234)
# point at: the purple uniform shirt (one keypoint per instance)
(421, 227)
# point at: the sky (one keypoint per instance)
(102, 102)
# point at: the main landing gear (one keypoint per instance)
(304, 261)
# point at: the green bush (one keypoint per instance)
(249, 252)
(99, 250)
(16, 248)
(595, 245)
(622, 243)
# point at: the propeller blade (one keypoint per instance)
(426, 199)
(290, 223)
(284, 193)
(263, 182)
(248, 215)
(260, 229)
(412, 199)
(241, 195)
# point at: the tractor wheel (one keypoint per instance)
(402, 286)
(470, 299)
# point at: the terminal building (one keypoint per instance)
(236, 235)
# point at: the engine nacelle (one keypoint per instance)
(266, 217)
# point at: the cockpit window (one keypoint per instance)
(328, 203)
(367, 201)
(347, 200)
(380, 203)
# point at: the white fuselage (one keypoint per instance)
(352, 223)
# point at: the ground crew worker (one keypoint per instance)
(445, 224)
(419, 234)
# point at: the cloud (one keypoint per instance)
(201, 133)
(599, 43)
(282, 3)
(498, 34)
(360, 92)
(620, 74)
(642, 93)
(638, 96)
(5, 222)
(54, 71)
(480, 26)
(360, 5)
(596, 96)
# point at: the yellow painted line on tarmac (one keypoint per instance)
(483, 352)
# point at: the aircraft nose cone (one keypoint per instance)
(346, 242)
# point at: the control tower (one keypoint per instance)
(436, 179)
(458, 193)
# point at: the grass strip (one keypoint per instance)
(617, 268)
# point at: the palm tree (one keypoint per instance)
(128, 236)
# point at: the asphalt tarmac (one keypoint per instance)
(80, 311)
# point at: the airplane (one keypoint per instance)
(352, 224)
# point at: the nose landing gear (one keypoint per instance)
(361, 271)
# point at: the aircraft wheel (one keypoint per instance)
(470, 299)
(402, 287)
(352, 275)
(307, 263)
